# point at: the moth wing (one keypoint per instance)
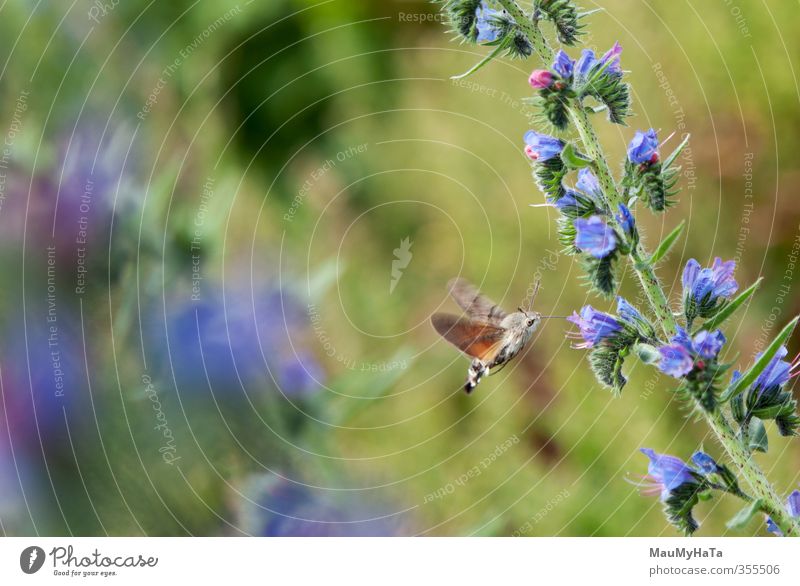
(474, 338)
(474, 303)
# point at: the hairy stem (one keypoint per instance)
(639, 257)
(760, 486)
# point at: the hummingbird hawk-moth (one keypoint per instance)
(485, 333)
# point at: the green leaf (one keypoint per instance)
(757, 438)
(671, 159)
(743, 517)
(666, 244)
(750, 375)
(502, 46)
(574, 159)
(727, 310)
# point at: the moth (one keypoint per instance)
(485, 333)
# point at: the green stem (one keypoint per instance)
(531, 30)
(758, 482)
(760, 486)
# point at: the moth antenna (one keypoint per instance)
(535, 291)
(554, 317)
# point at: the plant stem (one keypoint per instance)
(760, 486)
(530, 29)
(716, 419)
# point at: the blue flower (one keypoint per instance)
(792, 506)
(631, 316)
(567, 202)
(542, 147)
(584, 65)
(595, 326)
(666, 473)
(675, 360)
(705, 463)
(488, 31)
(702, 288)
(594, 236)
(644, 147)
(563, 65)
(626, 221)
(678, 357)
(708, 344)
(588, 184)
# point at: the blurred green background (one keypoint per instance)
(205, 200)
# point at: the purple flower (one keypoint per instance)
(588, 62)
(708, 344)
(675, 360)
(643, 147)
(588, 184)
(625, 219)
(540, 79)
(703, 287)
(792, 506)
(665, 473)
(563, 65)
(542, 147)
(594, 236)
(595, 326)
(705, 463)
(612, 58)
(281, 508)
(487, 28)
(678, 357)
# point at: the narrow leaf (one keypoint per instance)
(727, 310)
(497, 50)
(757, 438)
(574, 159)
(743, 517)
(750, 375)
(667, 243)
(671, 159)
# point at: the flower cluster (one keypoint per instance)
(589, 76)
(645, 175)
(768, 398)
(682, 486)
(706, 289)
(585, 225)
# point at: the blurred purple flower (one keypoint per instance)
(287, 509)
(234, 343)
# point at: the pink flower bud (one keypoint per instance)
(540, 79)
(532, 154)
